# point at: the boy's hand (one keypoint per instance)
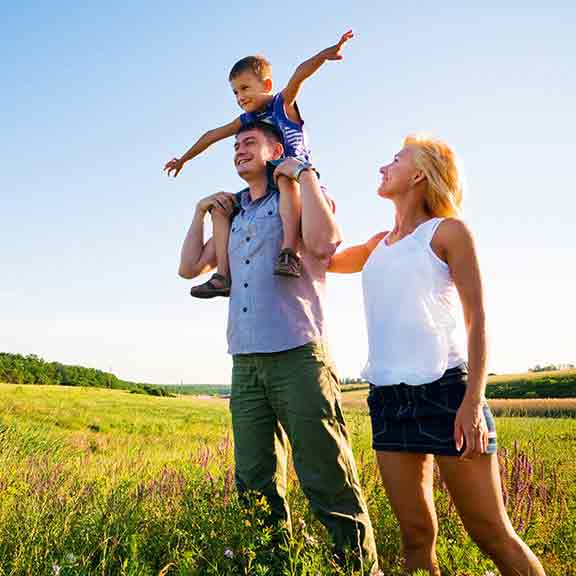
(286, 168)
(175, 165)
(223, 201)
(333, 52)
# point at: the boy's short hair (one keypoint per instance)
(270, 131)
(258, 65)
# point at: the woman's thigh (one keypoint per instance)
(408, 480)
(475, 488)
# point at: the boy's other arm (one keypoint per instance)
(306, 69)
(353, 259)
(206, 140)
(196, 256)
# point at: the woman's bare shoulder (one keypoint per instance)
(375, 240)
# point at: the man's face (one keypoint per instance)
(252, 150)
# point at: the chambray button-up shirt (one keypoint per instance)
(269, 313)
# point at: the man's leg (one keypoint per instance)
(305, 394)
(260, 444)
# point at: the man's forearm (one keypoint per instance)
(320, 232)
(194, 258)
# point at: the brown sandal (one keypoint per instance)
(218, 285)
(288, 264)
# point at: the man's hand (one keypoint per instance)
(223, 201)
(333, 52)
(470, 425)
(175, 165)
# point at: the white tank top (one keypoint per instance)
(413, 312)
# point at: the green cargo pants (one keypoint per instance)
(294, 396)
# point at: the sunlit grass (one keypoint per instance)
(95, 481)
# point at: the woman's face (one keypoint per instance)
(397, 176)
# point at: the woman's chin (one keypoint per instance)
(382, 192)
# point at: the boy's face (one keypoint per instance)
(251, 92)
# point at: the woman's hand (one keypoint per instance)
(470, 426)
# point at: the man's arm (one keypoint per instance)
(206, 140)
(196, 256)
(306, 69)
(320, 233)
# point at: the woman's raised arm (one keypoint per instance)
(353, 259)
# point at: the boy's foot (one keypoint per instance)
(288, 263)
(218, 285)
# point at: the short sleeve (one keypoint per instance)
(247, 118)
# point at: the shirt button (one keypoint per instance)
(247, 238)
(247, 261)
(269, 212)
(245, 284)
(244, 309)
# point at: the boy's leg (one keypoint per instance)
(305, 394)
(221, 234)
(219, 283)
(260, 444)
(290, 209)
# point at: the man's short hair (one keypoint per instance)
(257, 65)
(270, 131)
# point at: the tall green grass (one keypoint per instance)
(100, 482)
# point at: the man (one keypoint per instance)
(284, 386)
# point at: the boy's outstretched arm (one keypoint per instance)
(307, 68)
(206, 140)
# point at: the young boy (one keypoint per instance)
(251, 81)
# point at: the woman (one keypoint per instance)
(426, 392)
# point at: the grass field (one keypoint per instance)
(102, 482)
(523, 385)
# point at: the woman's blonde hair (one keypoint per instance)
(439, 164)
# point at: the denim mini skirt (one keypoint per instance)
(421, 418)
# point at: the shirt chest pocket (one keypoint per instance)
(267, 222)
(258, 233)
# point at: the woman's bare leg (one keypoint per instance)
(477, 494)
(408, 479)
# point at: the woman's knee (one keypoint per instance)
(496, 538)
(419, 534)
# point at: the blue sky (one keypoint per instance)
(97, 96)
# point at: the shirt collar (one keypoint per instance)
(246, 201)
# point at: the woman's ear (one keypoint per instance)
(418, 177)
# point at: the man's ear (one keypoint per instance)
(267, 85)
(277, 151)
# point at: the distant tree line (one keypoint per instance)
(19, 369)
(347, 381)
(551, 367)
